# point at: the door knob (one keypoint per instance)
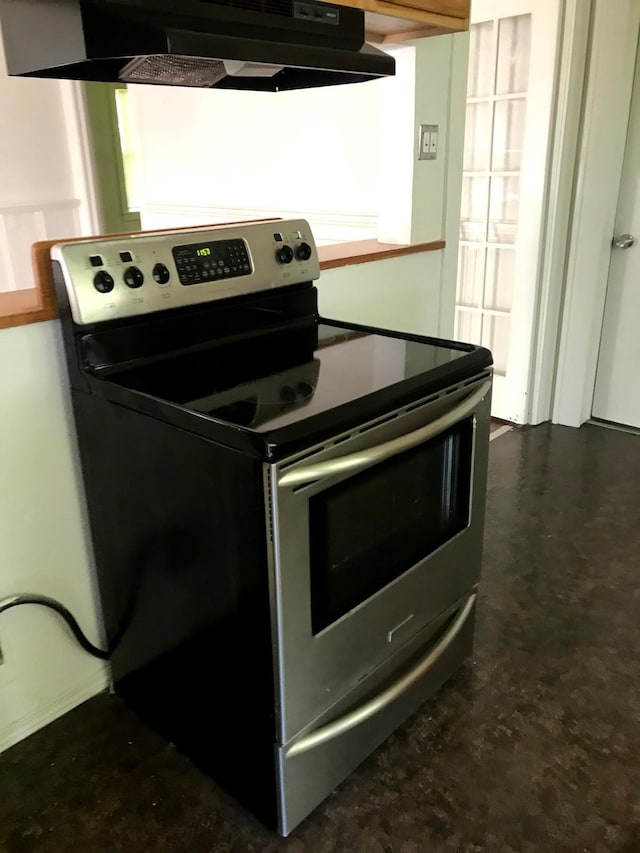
(624, 241)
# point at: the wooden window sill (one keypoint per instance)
(364, 251)
(17, 308)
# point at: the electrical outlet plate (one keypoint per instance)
(428, 141)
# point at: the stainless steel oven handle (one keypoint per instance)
(393, 692)
(364, 458)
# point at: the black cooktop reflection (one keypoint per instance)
(343, 366)
(259, 401)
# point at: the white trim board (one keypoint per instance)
(38, 207)
(66, 700)
(606, 115)
(72, 96)
(24, 224)
(500, 431)
(614, 426)
(328, 225)
(574, 44)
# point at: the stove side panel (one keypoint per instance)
(178, 528)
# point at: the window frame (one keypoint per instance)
(108, 162)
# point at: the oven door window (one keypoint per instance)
(373, 527)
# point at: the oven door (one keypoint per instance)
(374, 534)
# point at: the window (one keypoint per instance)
(115, 157)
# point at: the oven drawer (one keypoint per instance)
(311, 766)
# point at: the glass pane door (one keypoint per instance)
(497, 92)
(508, 195)
(371, 528)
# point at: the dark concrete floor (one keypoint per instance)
(533, 746)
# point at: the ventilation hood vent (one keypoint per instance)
(267, 45)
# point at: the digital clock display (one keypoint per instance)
(201, 263)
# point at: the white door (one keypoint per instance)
(617, 391)
(512, 67)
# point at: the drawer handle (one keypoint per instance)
(390, 694)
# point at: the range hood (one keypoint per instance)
(268, 45)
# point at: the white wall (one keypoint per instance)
(44, 544)
(217, 148)
(402, 293)
(44, 194)
(452, 186)
(343, 157)
(419, 200)
(33, 143)
(230, 152)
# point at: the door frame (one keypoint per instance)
(607, 106)
(80, 156)
(597, 48)
(574, 51)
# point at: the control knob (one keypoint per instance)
(161, 274)
(284, 255)
(303, 252)
(103, 282)
(133, 277)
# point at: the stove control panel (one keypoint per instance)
(116, 277)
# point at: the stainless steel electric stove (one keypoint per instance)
(286, 510)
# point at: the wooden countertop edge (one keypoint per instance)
(37, 304)
(19, 307)
(364, 251)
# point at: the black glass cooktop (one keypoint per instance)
(344, 366)
(276, 380)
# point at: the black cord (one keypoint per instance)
(61, 610)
